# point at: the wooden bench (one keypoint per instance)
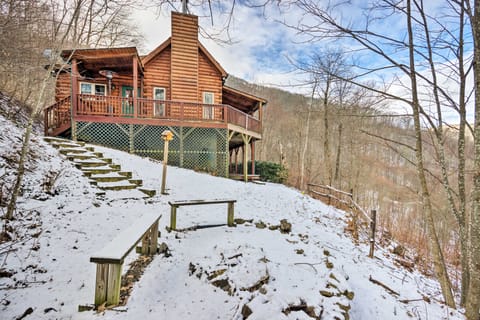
(109, 260)
(176, 204)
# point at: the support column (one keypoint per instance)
(246, 141)
(131, 139)
(135, 87)
(236, 159)
(252, 156)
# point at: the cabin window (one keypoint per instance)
(92, 88)
(208, 98)
(159, 108)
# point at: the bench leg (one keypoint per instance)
(173, 218)
(150, 240)
(107, 283)
(230, 214)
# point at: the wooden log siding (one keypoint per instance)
(157, 74)
(62, 89)
(184, 57)
(210, 79)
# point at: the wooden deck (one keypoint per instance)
(113, 109)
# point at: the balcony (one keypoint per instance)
(113, 109)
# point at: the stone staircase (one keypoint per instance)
(102, 172)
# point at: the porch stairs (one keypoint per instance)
(101, 171)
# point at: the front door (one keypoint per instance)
(127, 103)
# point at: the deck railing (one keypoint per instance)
(94, 105)
(57, 116)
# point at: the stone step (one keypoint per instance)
(116, 186)
(66, 145)
(80, 156)
(89, 164)
(59, 140)
(116, 166)
(138, 182)
(66, 151)
(108, 178)
(91, 149)
(98, 170)
(148, 192)
(127, 174)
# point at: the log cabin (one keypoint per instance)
(116, 98)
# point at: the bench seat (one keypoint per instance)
(110, 258)
(179, 203)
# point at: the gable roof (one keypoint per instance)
(149, 57)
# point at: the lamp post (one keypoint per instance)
(167, 136)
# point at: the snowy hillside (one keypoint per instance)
(252, 270)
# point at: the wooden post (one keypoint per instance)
(373, 225)
(113, 284)
(107, 284)
(135, 86)
(230, 214)
(173, 217)
(167, 135)
(101, 284)
(252, 157)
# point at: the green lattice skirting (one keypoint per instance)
(203, 149)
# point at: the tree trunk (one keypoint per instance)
(472, 305)
(437, 255)
(326, 144)
(339, 150)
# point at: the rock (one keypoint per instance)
(326, 252)
(224, 285)
(246, 311)
(216, 273)
(399, 250)
(349, 294)
(260, 225)
(326, 293)
(242, 221)
(299, 251)
(4, 273)
(273, 227)
(163, 248)
(329, 264)
(47, 310)
(285, 226)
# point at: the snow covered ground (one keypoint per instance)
(313, 272)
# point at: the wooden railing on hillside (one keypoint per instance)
(57, 117)
(341, 200)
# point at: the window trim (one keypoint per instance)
(208, 111)
(92, 88)
(162, 105)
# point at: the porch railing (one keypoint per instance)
(57, 117)
(94, 105)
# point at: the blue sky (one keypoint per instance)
(262, 47)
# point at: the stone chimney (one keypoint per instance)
(184, 57)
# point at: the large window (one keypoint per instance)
(208, 98)
(92, 88)
(159, 107)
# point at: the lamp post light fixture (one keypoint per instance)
(167, 136)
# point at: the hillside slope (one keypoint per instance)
(312, 272)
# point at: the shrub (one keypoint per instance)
(271, 171)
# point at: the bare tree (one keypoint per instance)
(424, 48)
(35, 26)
